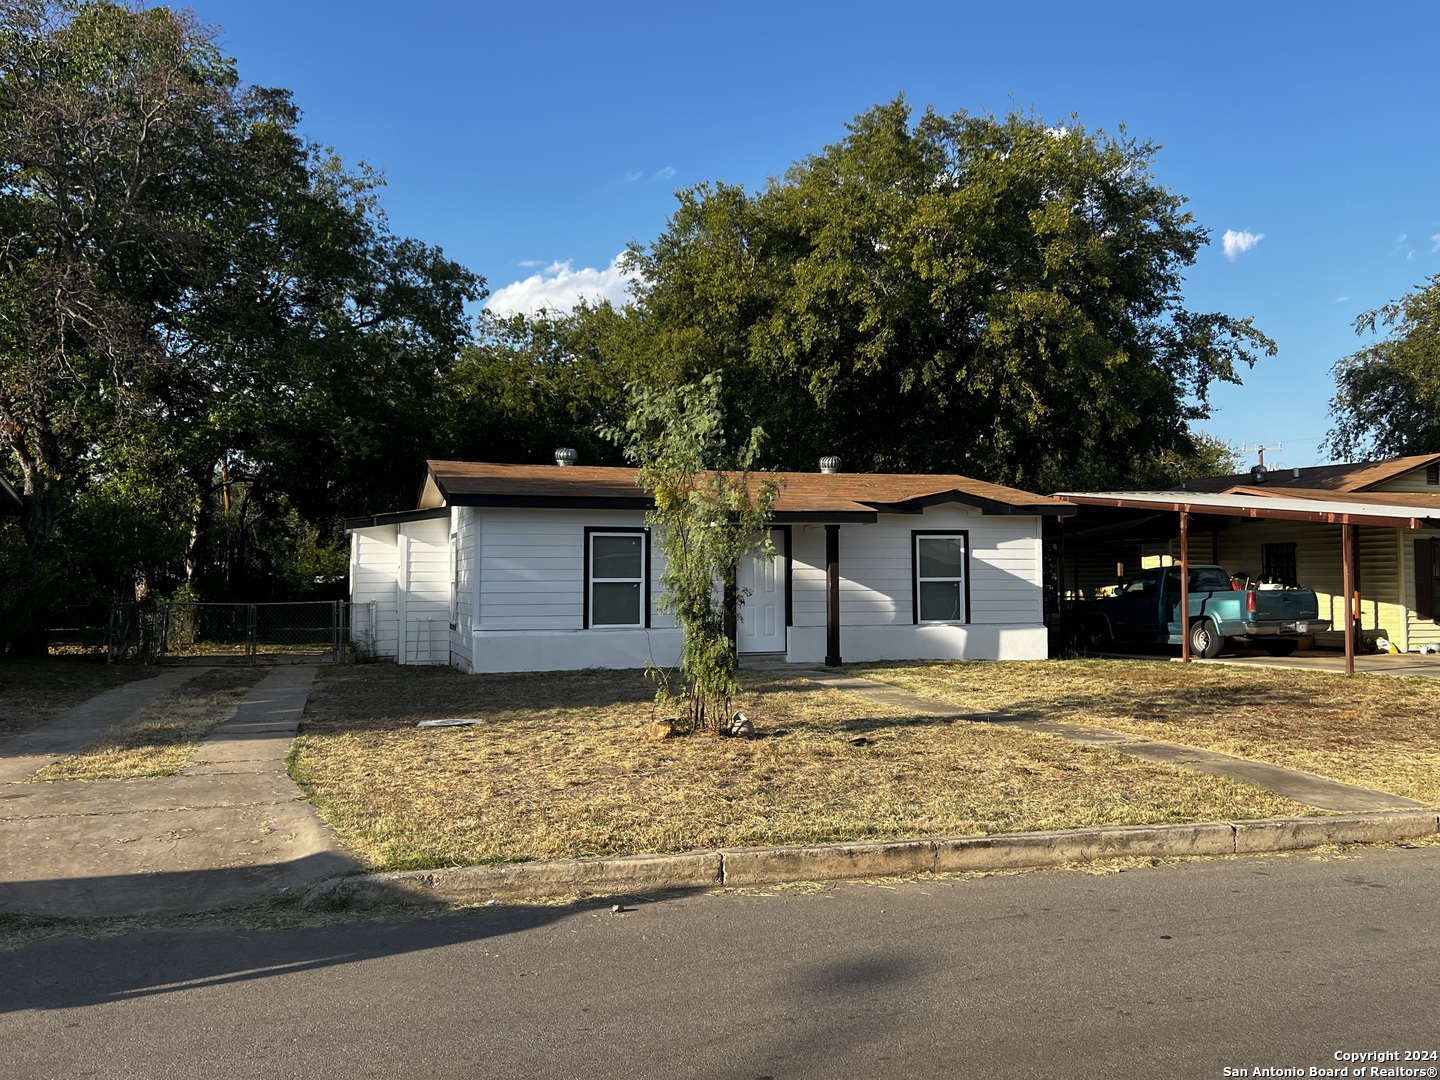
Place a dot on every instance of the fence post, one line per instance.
(250, 649)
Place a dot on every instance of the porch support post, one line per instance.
(832, 595)
(1356, 611)
(1183, 615)
(1347, 622)
(1060, 607)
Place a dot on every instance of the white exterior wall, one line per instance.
(464, 549)
(520, 591)
(876, 602)
(374, 573)
(531, 596)
(424, 591)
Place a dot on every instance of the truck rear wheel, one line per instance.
(1097, 635)
(1205, 640)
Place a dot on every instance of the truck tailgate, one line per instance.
(1272, 605)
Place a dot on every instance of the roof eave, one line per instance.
(375, 521)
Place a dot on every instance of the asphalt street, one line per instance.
(1166, 971)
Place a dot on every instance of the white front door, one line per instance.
(762, 615)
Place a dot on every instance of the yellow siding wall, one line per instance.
(1318, 566)
(1414, 480)
(1419, 631)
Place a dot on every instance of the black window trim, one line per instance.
(591, 530)
(915, 535)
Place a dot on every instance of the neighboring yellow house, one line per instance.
(1286, 524)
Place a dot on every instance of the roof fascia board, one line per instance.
(555, 502)
(1425, 463)
(919, 504)
(834, 517)
(1262, 513)
(376, 521)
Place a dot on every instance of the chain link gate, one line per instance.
(303, 632)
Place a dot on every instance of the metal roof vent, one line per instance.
(830, 464)
(566, 456)
(1258, 474)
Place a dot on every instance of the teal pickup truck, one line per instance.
(1145, 613)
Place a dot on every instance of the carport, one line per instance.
(1139, 510)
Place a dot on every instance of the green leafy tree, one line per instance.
(710, 512)
(529, 384)
(193, 298)
(1387, 395)
(999, 297)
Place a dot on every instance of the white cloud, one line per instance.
(559, 288)
(1435, 242)
(1237, 243)
(1341, 299)
(663, 174)
(631, 177)
(530, 264)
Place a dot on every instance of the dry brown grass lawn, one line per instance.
(158, 739)
(561, 768)
(1377, 731)
(36, 691)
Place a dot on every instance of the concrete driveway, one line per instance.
(1412, 664)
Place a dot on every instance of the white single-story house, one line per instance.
(548, 567)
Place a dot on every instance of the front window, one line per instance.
(940, 578)
(617, 578)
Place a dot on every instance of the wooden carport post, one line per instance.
(1347, 562)
(1184, 613)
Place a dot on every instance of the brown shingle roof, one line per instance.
(1352, 476)
(810, 495)
(1358, 498)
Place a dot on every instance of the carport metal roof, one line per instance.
(1384, 509)
(1356, 509)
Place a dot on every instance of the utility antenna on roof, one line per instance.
(1261, 450)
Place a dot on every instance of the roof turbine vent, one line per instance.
(566, 456)
(830, 464)
(1258, 474)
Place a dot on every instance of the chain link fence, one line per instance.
(305, 632)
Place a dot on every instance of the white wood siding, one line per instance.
(876, 582)
(463, 525)
(374, 573)
(532, 567)
(425, 591)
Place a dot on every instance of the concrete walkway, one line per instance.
(1303, 787)
(27, 753)
(230, 828)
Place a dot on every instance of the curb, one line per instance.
(629, 875)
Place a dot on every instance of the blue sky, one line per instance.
(533, 142)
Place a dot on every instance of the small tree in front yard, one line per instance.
(710, 512)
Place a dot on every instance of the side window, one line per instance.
(1277, 564)
(940, 562)
(615, 587)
